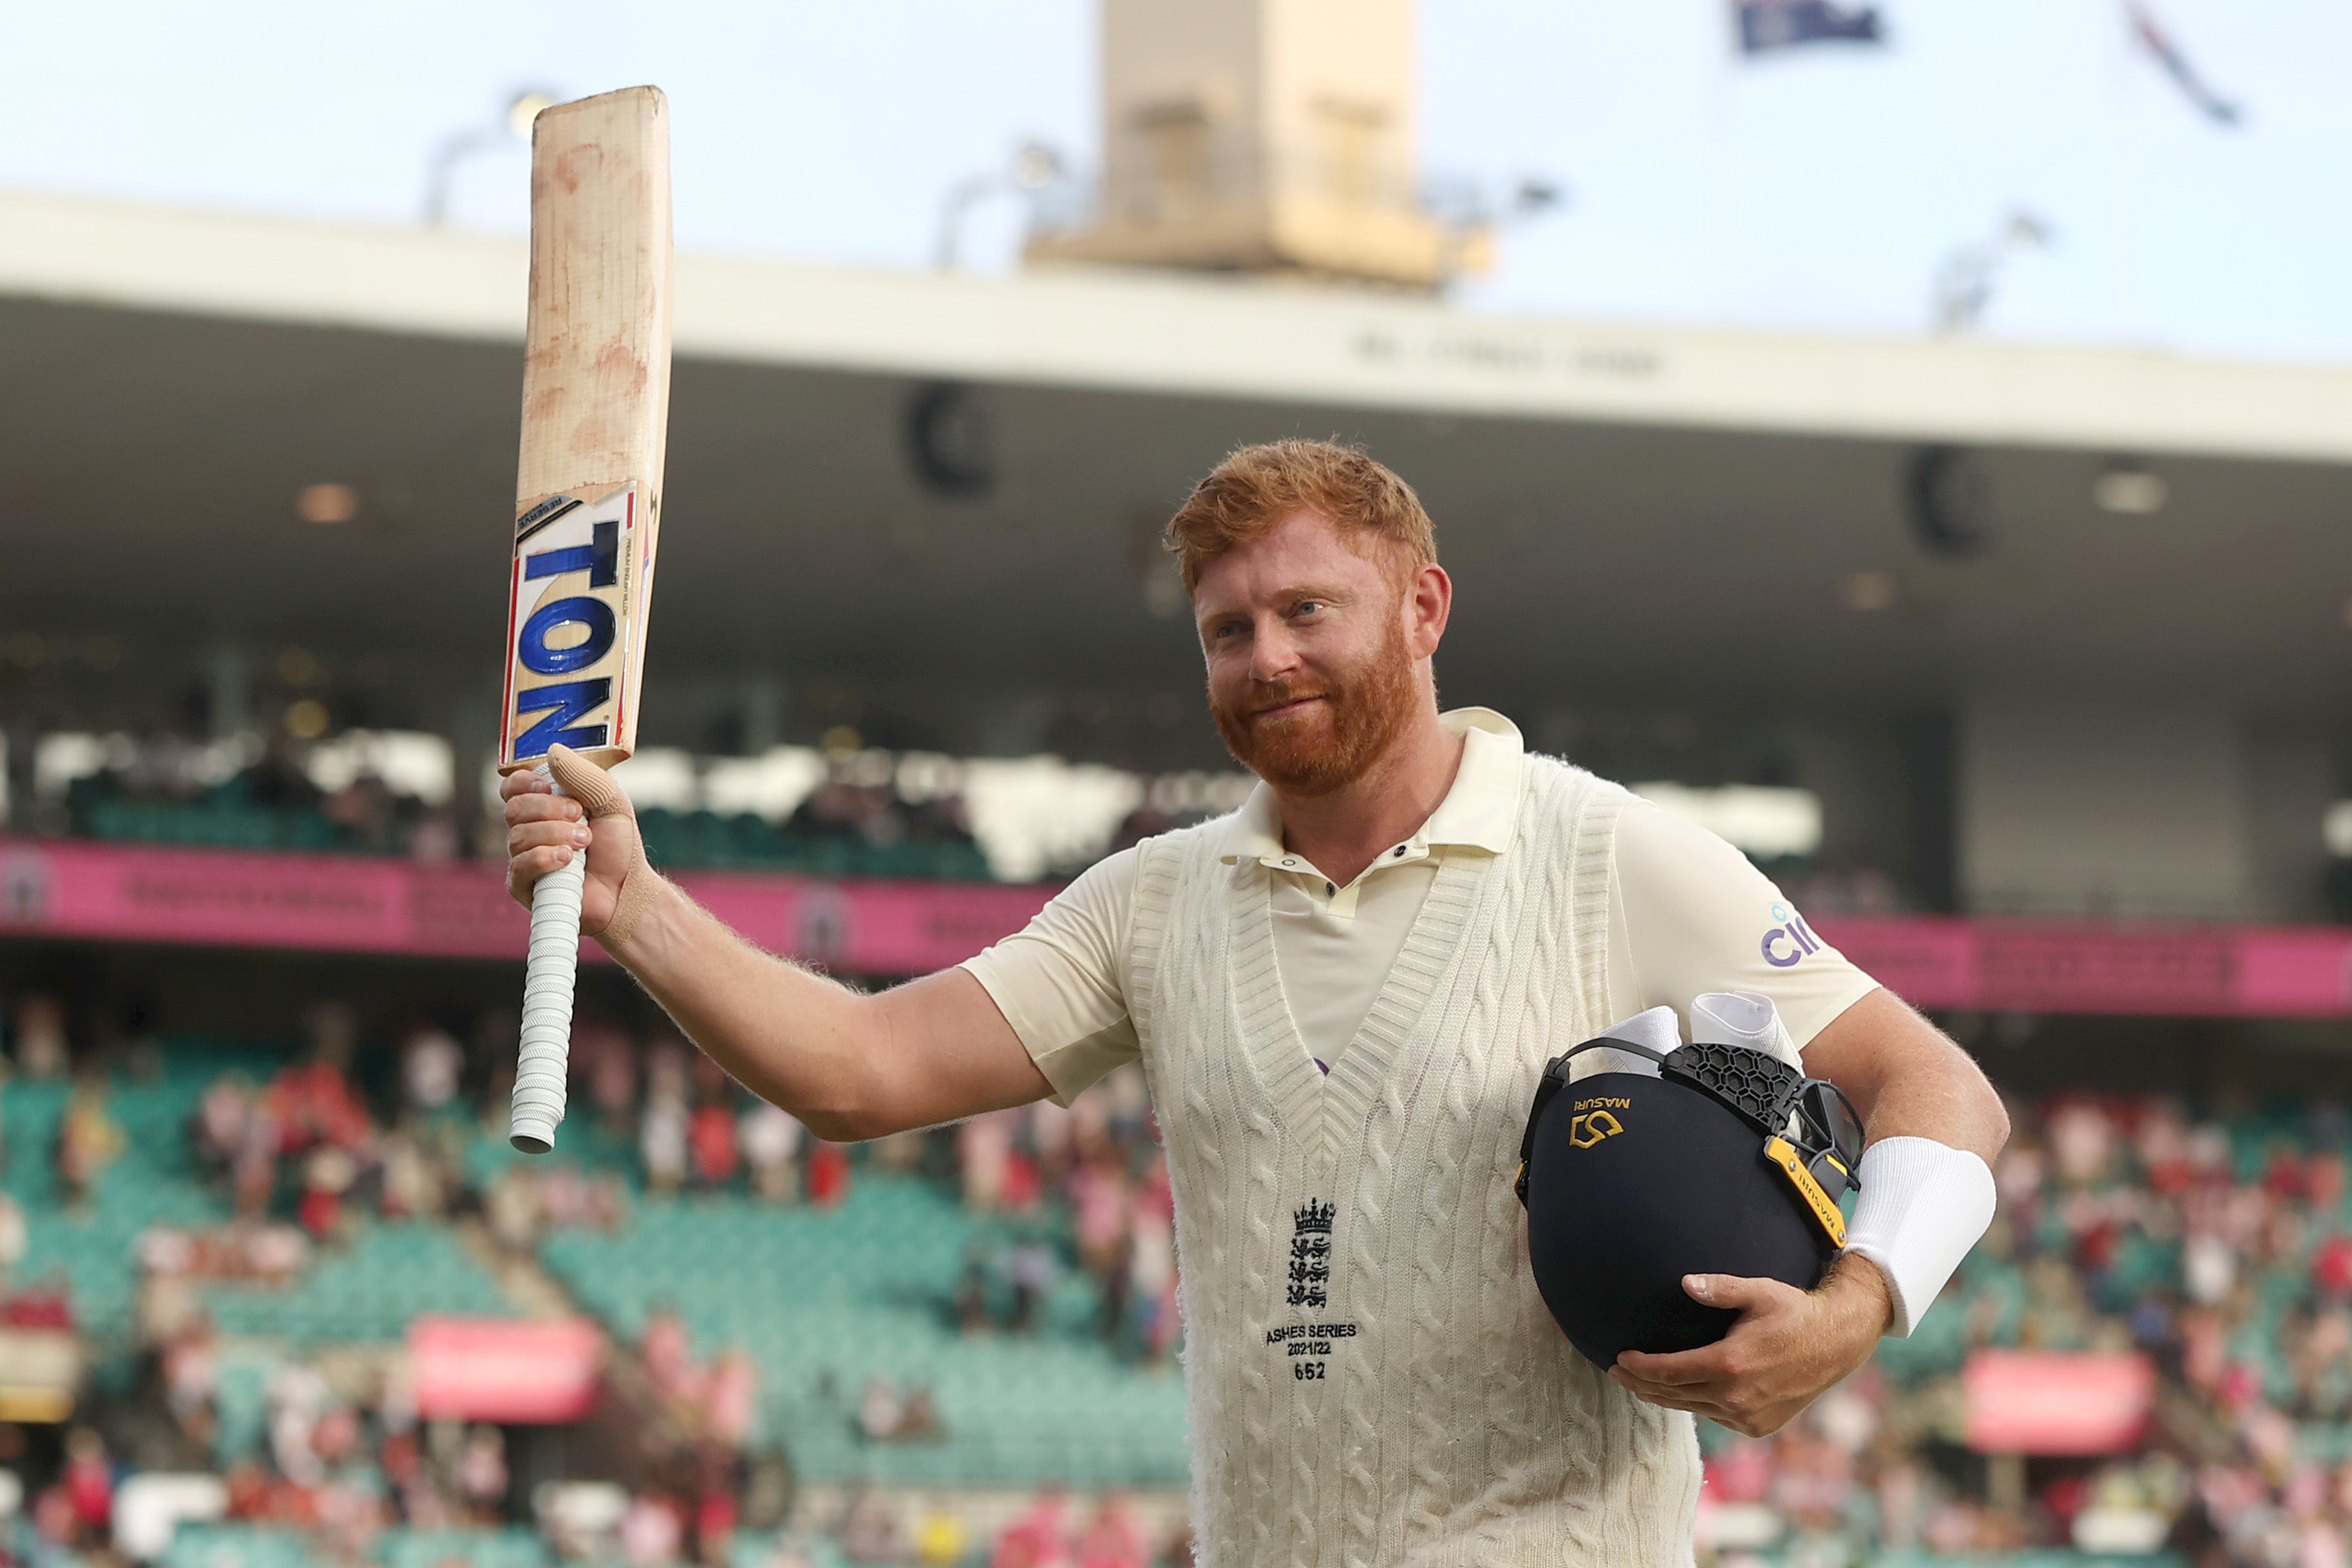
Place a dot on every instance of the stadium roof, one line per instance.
(1199, 337)
(1634, 513)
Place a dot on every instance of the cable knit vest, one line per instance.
(1373, 1378)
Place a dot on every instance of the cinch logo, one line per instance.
(1787, 943)
(1592, 1127)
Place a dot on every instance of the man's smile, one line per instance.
(1291, 709)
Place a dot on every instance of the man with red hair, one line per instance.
(1343, 994)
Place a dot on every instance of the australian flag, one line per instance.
(1768, 25)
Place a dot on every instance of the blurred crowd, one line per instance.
(860, 819)
(2218, 1247)
(2221, 1250)
(1097, 1171)
(1048, 1530)
(169, 789)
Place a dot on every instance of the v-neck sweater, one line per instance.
(1689, 914)
(1371, 1373)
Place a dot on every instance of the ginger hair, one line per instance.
(1256, 487)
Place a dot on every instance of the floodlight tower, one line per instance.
(1265, 136)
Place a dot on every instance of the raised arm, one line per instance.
(849, 1065)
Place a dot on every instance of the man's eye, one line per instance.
(1308, 606)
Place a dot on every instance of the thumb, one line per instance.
(1733, 1291)
(586, 783)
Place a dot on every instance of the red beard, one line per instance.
(1328, 744)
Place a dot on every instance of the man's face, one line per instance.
(1311, 652)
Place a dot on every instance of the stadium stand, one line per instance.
(831, 1304)
(981, 1310)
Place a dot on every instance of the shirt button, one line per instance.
(1400, 849)
(1329, 889)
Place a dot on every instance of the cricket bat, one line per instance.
(595, 413)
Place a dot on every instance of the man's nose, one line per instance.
(1272, 654)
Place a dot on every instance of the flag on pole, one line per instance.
(1768, 25)
(2158, 42)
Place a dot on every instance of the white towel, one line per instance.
(1655, 1028)
(1742, 1018)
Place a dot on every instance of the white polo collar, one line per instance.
(1479, 812)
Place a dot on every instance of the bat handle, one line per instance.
(543, 1063)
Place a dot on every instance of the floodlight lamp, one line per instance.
(1036, 165)
(524, 108)
(326, 503)
(2131, 490)
(2028, 229)
(1537, 195)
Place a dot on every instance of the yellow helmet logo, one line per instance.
(1592, 1127)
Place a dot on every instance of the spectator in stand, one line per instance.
(1051, 1136)
(609, 1060)
(918, 1418)
(510, 1209)
(89, 1485)
(984, 1145)
(88, 1140)
(297, 1395)
(191, 1371)
(255, 1169)
(1039, 1538)
(870, 1531)
(941, 1540)
(730, 1401)
(430, 1064)
(221, 1116)
(879, 1409)
(13, 1237)
(662, 1138)
(314, 1103)
(1113, 1538)
(828, 1174)
(715, 1517)
(710, 1134)
(971, 1291)
(770, 1136)
(669, 1362)
(414, 1186)
(40, 1038)
(1098, 1209)
(435, 837)
(363, 812)
(1032, 1267)
(480, 1474)
(327, 1173)
(651, 1532)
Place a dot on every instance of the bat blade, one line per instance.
(595, 415)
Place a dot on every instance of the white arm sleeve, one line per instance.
(1923, 1205)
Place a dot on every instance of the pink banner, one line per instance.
(2050, 1402)
(534, 1371)
(2094, 966)
(136, 892)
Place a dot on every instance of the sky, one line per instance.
(1814, 191)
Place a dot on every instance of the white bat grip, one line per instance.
(543, 1065)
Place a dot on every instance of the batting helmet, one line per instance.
(1727, 1161)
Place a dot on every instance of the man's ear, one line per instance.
(1428, 603)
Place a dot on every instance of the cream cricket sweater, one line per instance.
(1373, 1378)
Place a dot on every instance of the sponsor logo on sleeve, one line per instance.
(1788, 940)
